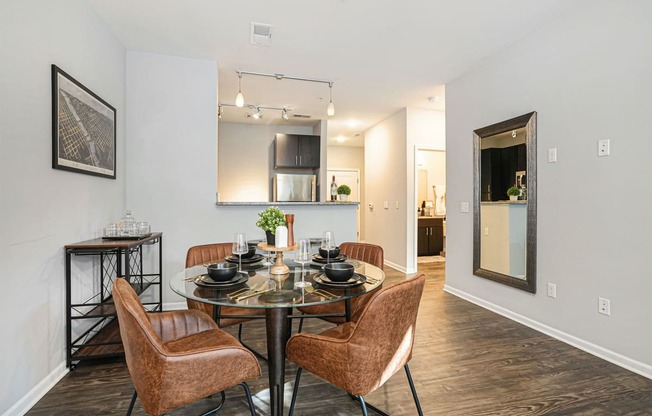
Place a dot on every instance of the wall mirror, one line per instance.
(504, 227)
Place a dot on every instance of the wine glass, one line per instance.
(328, 243)
(302, 256)
(240, 247)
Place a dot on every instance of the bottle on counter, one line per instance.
(333, 190)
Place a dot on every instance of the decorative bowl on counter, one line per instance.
(221, 272)
(339, 272)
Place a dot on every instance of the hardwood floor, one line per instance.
(466, 361)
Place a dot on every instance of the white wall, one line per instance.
(42, 209)
(385, 178)
(172, 148)
(349, 157)
(588, 77)
(250, 180)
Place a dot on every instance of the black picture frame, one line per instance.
(83, 128)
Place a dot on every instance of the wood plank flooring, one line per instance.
(466, 361)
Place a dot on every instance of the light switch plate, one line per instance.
(464, 207)
(386, 205)
(552, 155)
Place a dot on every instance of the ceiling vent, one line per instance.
(301, 116)
(261, 34)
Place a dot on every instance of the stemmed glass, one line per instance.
(328, 243)
(240, 247)
(302, 257)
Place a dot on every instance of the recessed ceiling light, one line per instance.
(340, 139)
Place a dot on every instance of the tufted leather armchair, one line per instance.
(176, 358)
(369, 253)
(361, 356)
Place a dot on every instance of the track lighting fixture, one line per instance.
(284, 114)
(239, 99)
(257, 113)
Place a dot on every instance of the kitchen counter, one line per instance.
(266, 204)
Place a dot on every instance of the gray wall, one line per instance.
(42, 209)
(588, 77)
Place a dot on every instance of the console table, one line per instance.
(92, 331)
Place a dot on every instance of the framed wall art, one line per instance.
(83, 128)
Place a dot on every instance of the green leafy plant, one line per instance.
(513, 191)
(270, 218)
(343, 190)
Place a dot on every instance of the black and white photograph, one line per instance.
(83, 128)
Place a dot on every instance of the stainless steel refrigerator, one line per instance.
(290, 187)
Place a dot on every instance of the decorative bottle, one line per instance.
(333, 190)
(289, 222)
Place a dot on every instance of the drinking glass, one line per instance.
(302, 257)
(240, 247)
(328, 243)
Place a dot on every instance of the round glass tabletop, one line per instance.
(258, 288)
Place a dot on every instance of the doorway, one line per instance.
(350, 177)
(430, 175)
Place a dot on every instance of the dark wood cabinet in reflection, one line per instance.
(498, 170)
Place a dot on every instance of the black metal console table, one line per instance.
(92, 322)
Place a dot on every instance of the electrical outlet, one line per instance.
(552, 155)
(603, 147)
(604, 306)
(552, 290)
(464, 207)
(396, 204)
(386, 204)
(486, 230)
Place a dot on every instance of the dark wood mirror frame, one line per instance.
(529, 121)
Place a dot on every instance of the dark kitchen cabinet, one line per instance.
(430, 236)
(296, 151)
(498, 167)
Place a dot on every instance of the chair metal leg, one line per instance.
(295, 390)
(300, 325)
(219, 406)
(133, 401)
(249, 399)
(414, 391)
(363, 405)
(256, 353)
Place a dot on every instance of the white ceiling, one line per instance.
(381, 55)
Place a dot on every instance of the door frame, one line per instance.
(357, 171)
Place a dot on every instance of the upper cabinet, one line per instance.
(296, 151)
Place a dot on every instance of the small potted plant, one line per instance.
(513, 193)
(343, 191)
(270, 218)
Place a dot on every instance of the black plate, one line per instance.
(319, 259)
(253, 259)
(356, 280)
(203, 280)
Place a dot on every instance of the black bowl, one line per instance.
(222, 272)
(339, 272)
(249, 254)
(332, 253)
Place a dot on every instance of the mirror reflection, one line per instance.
(505, 202)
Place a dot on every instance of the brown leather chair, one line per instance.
(369, 253)
(211, 253)
(361, 356)
(176, 358)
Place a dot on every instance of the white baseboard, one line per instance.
(613, 357)
(399, 268)
(23, 405)
(175, 306)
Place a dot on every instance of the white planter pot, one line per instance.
(344, 197)
(513, 197)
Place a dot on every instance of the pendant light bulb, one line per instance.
(331, 107)
(239, 99)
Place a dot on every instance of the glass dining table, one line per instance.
(277, 295)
